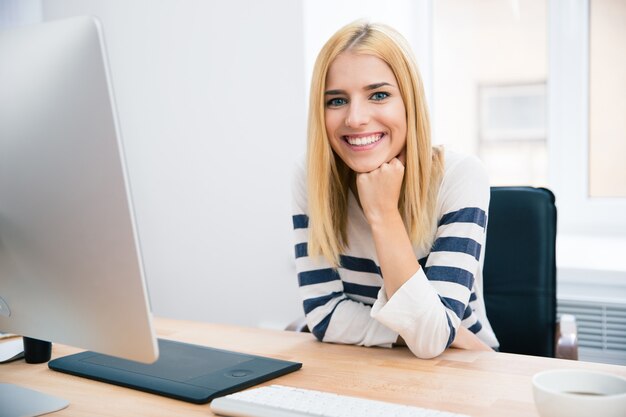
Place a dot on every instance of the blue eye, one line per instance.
(379, 96)
(336, 102)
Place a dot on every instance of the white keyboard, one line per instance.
(281, 401)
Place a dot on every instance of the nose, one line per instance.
(358, 115)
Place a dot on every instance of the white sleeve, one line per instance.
(330, 314)
(428, 309)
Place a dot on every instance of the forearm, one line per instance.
(379, 193)
(331, 315)
(415, 312)
(464, 340)
(351, 323)
(395, 252)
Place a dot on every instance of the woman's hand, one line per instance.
(467, 340)
(379, 190)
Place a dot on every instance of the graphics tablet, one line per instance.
(183, 371)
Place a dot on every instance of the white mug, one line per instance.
(577, 393)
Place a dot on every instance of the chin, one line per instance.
(364, 167)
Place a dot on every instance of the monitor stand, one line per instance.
(20, 401)
(36, 351)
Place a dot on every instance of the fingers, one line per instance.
(388, 171)
(402, 156)
(397, 162)
(379, 190)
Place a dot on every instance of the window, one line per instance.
(489, 85)
(607, 98)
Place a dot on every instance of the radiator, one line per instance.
(601, 329)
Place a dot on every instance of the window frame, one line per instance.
(568, 126)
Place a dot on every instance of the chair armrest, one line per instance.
(298, 325)
(566, 338)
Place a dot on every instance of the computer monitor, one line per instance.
(70, 262)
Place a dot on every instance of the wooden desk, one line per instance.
(474, 383)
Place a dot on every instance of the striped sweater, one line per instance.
(348, 304)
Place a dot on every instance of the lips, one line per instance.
(361, 140)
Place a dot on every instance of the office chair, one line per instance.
(519, 275)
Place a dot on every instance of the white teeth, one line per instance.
(362, 141)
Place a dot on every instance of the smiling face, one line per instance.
(364, 112)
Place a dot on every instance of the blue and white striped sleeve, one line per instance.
(330, 314)
(428, 309)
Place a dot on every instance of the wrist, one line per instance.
(391, 218)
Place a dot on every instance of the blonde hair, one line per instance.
(329, 177)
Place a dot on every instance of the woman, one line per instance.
(389, 230)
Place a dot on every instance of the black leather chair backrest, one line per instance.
(519, 276)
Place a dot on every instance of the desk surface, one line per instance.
(473, 383)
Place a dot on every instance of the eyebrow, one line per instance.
(367, 88)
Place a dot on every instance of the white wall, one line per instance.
(23, 12)
(212, 111)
